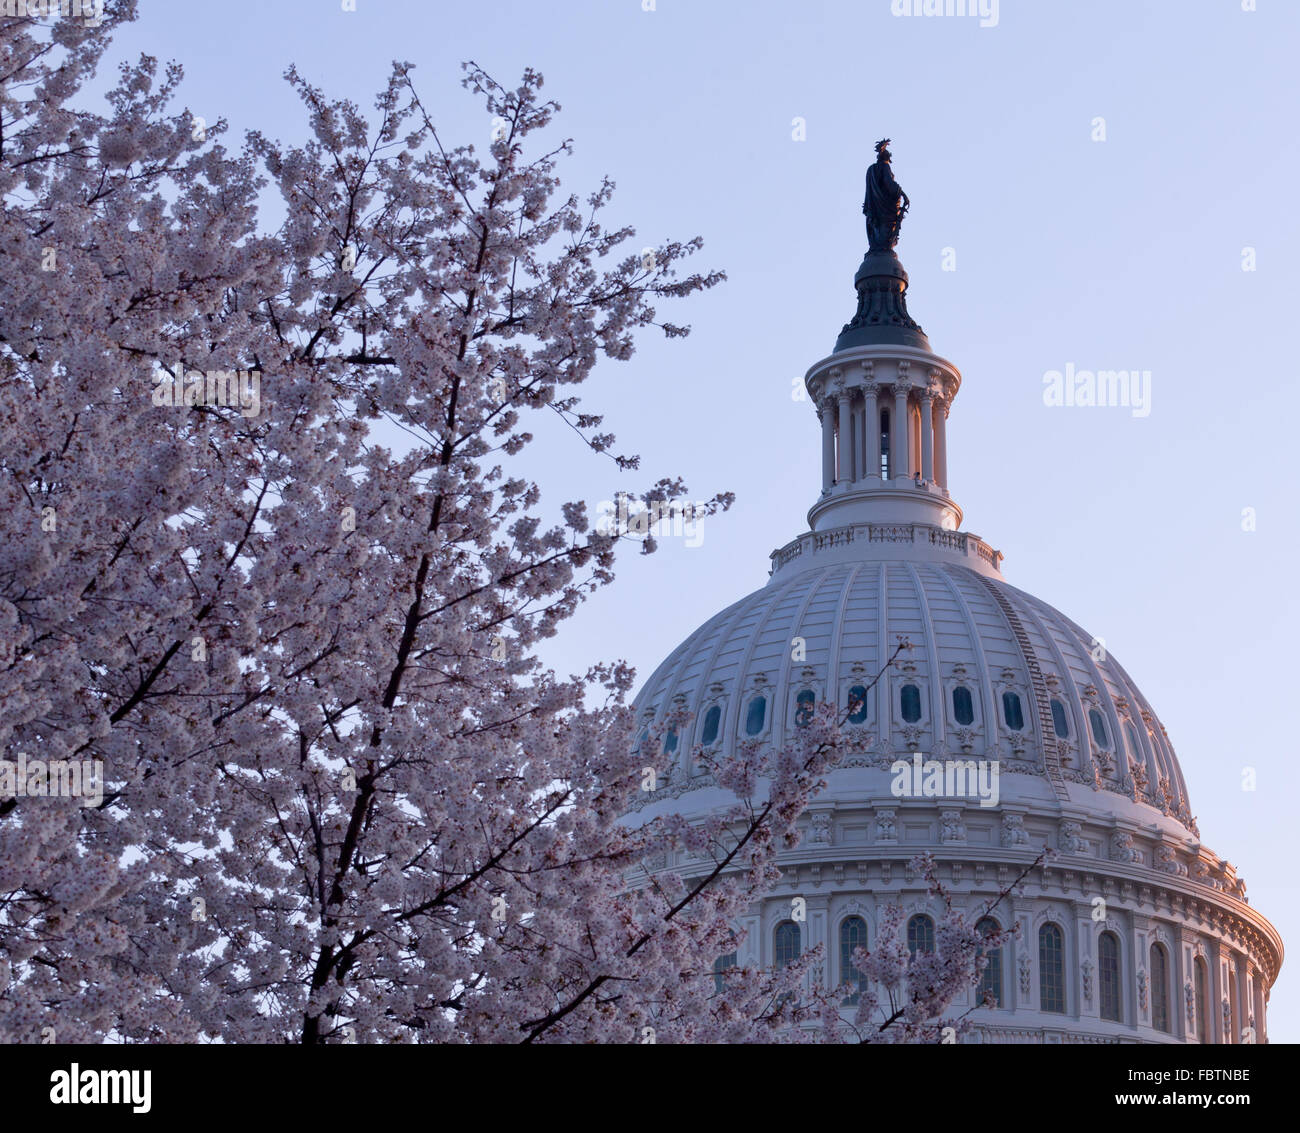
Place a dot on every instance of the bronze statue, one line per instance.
(885, 203)
(881, 282)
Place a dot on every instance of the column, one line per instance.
(855, 435)
(1137, 957)
(1261, 1011)
(1248, 1014)
(914, 436)
(898, 435)
(1017, 949)
(751, 952)
(1217, 971)
(846, 440)
(1085, 935)
(826, 412)
(815, 932)
(860, 443)
(941, 443)
(1230, 991)
(872, 461)
(1238, 1001)
(860, 439)
(1180, 971)
(927, 434)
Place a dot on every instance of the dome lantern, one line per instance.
(882, 398)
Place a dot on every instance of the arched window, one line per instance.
(1134, 747)
(920, 934)
(1108, 976)
(1098, 728)
(756, 716)
(853, 934)
(991, 977)
(857, 705)
(1012, 711)
(670, 741)
(963, 708)
(910, 698)
(712, 722)
(803, 708)
(1059, 721)
(1202, 1004)
(720, 966)
(1051, 968)
(786, 944)
(1159, 987)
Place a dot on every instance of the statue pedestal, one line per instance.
(880, 263)
(881, 317)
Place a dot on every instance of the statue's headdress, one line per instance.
(880, 145)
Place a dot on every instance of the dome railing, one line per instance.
(958, 541)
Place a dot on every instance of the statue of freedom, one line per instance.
(885, 202)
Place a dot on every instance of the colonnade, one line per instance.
(862, 438)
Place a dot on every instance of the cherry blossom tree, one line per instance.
(339, 799)
(274, 571)
(124, 238)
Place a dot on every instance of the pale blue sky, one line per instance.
(1123, 254)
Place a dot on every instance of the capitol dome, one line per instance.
(990, 671)
(1054, 744)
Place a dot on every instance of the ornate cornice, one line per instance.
(1129, 886)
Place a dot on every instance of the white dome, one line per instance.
(1135, 931)
(965, 630)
